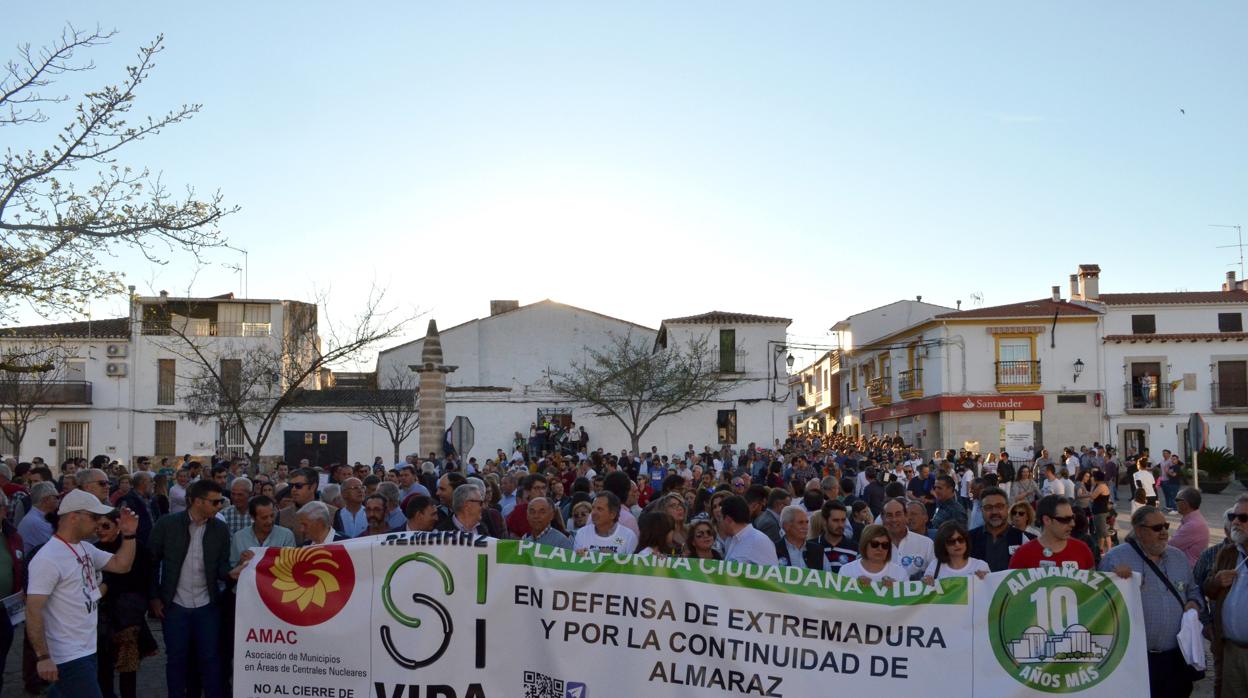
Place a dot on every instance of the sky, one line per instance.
(654, 159)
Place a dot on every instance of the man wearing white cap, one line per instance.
(63, 594)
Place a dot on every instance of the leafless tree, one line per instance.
(59, 223)
(637, 384)
(393, 407)
(31, 381)
(246, 383)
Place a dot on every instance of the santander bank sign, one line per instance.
(992, 402)
(956, 403)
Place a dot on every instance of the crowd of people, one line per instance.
(169, 543)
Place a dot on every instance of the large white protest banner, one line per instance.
(419, 615)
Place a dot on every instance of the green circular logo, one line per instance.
(1058, 630)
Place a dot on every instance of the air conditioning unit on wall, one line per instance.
(117, 351)
(115, 369)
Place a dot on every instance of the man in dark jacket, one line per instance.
(191, 557)
(995, 541)
(138, 500)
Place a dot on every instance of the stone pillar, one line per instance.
(431, 398)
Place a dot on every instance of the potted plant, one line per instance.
(1217, 467)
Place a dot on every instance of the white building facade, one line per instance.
(501, 362)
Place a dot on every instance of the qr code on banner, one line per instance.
(542, 686)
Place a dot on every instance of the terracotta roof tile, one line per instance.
(1174, 297)
(1044, 307)
(718, 317)
(1179, 337)
(113, 328)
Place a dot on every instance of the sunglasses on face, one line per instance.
(1158, 528)
(1064, 520)
(219, 501)
(703, 534)
(298, 485)
(957, 541)
(1242, 518)
(880, 544)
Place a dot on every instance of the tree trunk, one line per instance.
(397, 444)
(636, 441)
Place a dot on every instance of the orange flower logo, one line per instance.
(305, 586)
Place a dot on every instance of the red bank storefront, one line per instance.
(980, 423)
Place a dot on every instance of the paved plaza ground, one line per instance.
(152, 671)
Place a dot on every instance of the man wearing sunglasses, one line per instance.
(1227, 589)
(1054, 547)
(191, 558)
(1167, 590)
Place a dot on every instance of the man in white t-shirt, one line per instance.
(910, 550)
(605, 534)
(63, 594)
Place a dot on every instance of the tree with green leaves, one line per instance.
(638, 384)
(67, 206)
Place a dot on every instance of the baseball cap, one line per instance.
(78, 500)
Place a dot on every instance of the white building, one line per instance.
(123, 395)
(1168, 355)
(973, 378)
(501, 363)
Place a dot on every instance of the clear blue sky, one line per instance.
(649, 160)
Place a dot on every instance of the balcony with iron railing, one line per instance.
(1147, 398)
(1017, 375)
(1230, 398)
(880, 390)
(910, 384)
(207, 328)
(21, 392)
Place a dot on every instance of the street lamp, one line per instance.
(789, 361)
(1078, 369)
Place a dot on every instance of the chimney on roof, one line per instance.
(1230, 284)
(500, 307)
(1057, 294)
(164, 293)
(1089, 282)
(1074, 286)
(959, 305)
(918, 299)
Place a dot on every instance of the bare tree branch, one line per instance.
(637, 385)
(57, 226)
(248, 382)
(31, 382)
(393, 407)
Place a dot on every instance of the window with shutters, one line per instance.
(166, 437)
(1143, 324)
(727, 351)
(231, 379)
(1230, 322)
(165, 383)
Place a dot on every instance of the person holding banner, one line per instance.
(1167, 592)
(1055, 546)
(996, 541)
(467, 506)
(743, 542)
(911, 551)
(605, 534)
(876, 563)
(540, 515)
(952, 558)
(834, 546)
